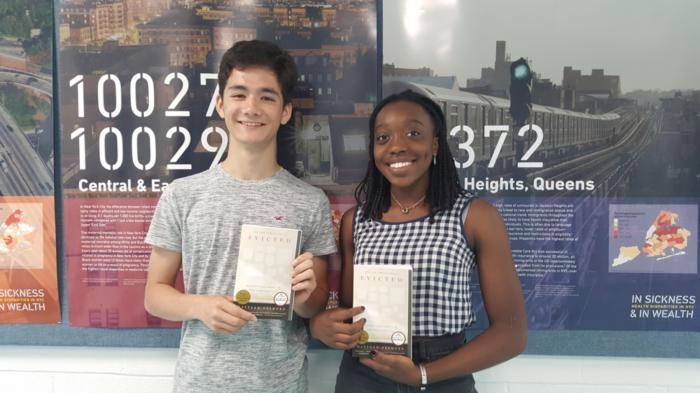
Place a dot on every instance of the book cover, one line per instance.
(264, 272)
(385, 292)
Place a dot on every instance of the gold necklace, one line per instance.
(407, 209)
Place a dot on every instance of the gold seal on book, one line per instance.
(364, 337)
(242, 297)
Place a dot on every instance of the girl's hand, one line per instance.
(395, 367)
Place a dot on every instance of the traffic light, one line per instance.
(520, 97)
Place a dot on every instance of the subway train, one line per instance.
(563, 132)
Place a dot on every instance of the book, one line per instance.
(264, 272)
(385, 292)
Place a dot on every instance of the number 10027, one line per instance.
(143, 139)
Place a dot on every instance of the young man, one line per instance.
(197, 226)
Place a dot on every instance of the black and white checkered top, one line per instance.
(441, 259)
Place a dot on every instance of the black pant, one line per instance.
(354, 377)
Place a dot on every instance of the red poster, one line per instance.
(28, 290)
(108, 260)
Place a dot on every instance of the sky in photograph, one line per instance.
(650, 44)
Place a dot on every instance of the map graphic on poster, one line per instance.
(653, 239)
(21, 236)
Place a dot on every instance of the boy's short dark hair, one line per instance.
(256, 53)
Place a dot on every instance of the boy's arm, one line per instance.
(163, 300)
(309, 277)
(309, 284)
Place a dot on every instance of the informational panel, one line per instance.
(28, 284)
(138, 87)
(580, 122)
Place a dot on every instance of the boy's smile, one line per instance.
(252, 107)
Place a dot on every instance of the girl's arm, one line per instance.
(506, 335)
(330, 326)
(347, 253)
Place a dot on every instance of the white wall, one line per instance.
(139, 370)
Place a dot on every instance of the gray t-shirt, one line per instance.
(201, 216)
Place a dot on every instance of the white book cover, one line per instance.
(385, 292)
(264, 271)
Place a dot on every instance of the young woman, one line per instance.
(411, 209)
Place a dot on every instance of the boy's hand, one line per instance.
(220, 314)
(330, 327)
(303, 277)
